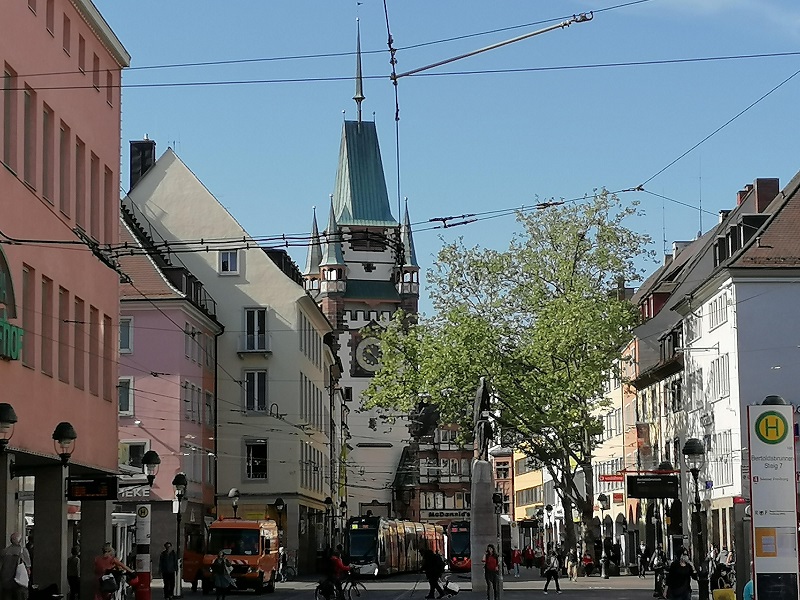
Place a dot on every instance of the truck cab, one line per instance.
(251, 547)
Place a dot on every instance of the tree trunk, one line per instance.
(587, 512)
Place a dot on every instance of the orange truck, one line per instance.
(251, 547)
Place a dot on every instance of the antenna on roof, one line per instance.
(700, 205)
(359, 95)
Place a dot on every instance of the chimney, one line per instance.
(766, 190)
(677, 248)
(143, 156)
(742, 194)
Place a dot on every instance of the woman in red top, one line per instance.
(491, 567)
(104, 564)
(516, 560)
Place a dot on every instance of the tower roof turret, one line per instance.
(407, 239)
(314, 256)
(332, 252)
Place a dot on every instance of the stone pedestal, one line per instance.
(483, 523)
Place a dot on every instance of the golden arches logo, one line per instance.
(772, 427)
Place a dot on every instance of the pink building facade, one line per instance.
(59, 200)
(167, 387)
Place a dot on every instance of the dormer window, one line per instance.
(229, 262)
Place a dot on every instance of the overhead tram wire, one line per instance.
(236, 61)
(333, 79)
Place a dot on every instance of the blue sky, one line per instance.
(469, 142)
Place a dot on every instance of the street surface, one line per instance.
(411, 587)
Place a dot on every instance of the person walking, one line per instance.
(168, 568)
(658, 563)
(74, 573)
(552, 567)
(679, 578)
(433, 567)
(516, 560)
(642, 559)
(527, 556)
(491, 571)
(221, 570)
(13, 555)
(572, 564)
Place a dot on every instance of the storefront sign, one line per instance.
(92, 488)
(444, 514)
(612, 478)
(136, 492)
(10, 335)
(773, 496)
(619, 498)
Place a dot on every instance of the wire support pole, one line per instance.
(581, 18)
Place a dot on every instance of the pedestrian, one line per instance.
(748, 592)
(538, 556)
(658, 563)
(516, 560)
(168, 567)
(572, 564)
(433, 567)
(74, 573)
(221, 570)
(106, 564)
(642, 559)
(491, 570)
(679, 578)
(527, 556)
(551, 571)
(13, 555)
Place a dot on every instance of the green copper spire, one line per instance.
(359, 97)
(332, 254)
(314, 250)
(407, 239)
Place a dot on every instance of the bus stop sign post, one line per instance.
(143, 518)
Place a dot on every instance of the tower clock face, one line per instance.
(368, 354)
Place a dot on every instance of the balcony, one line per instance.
(254, 344)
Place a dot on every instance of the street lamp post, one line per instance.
(328, 516)
(179, 483)
(233, 494)
(549, 536)
(343, 511)
(602, 500)
(279, 506)
(664, 467)
(694, 453)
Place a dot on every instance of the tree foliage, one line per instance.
(543, 321)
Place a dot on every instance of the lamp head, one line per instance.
(279, 505)
(179, 482)
(233, 494)
(150, 462)
(694, 452)
(8, 419)
(64, 437)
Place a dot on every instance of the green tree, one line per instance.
(544, 321)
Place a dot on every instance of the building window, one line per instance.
(9, 118)
(81, 54)
(125, 395)
(110, 88)
(94, 196)
(256, 457)
(65, 39)
(131, 453)
(64, 146)
(255, 391)
(28, 316)
(29, 136)
(229, 262)
(80, 183)
(48, 154)
(209, 408)
(256, 329)
(78, 319)
(109, 202)
(348, 394)
(126, 335)
(94, 351)
(96, 72)
(50, 16)
(63, 334)
(47, 326)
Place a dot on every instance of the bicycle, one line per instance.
(288, 574)
(353, 589)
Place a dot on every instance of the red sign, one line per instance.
(612, 478)
(619, 497)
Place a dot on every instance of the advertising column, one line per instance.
(773, 497)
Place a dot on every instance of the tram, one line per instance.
(380, 546)
(459, 546)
